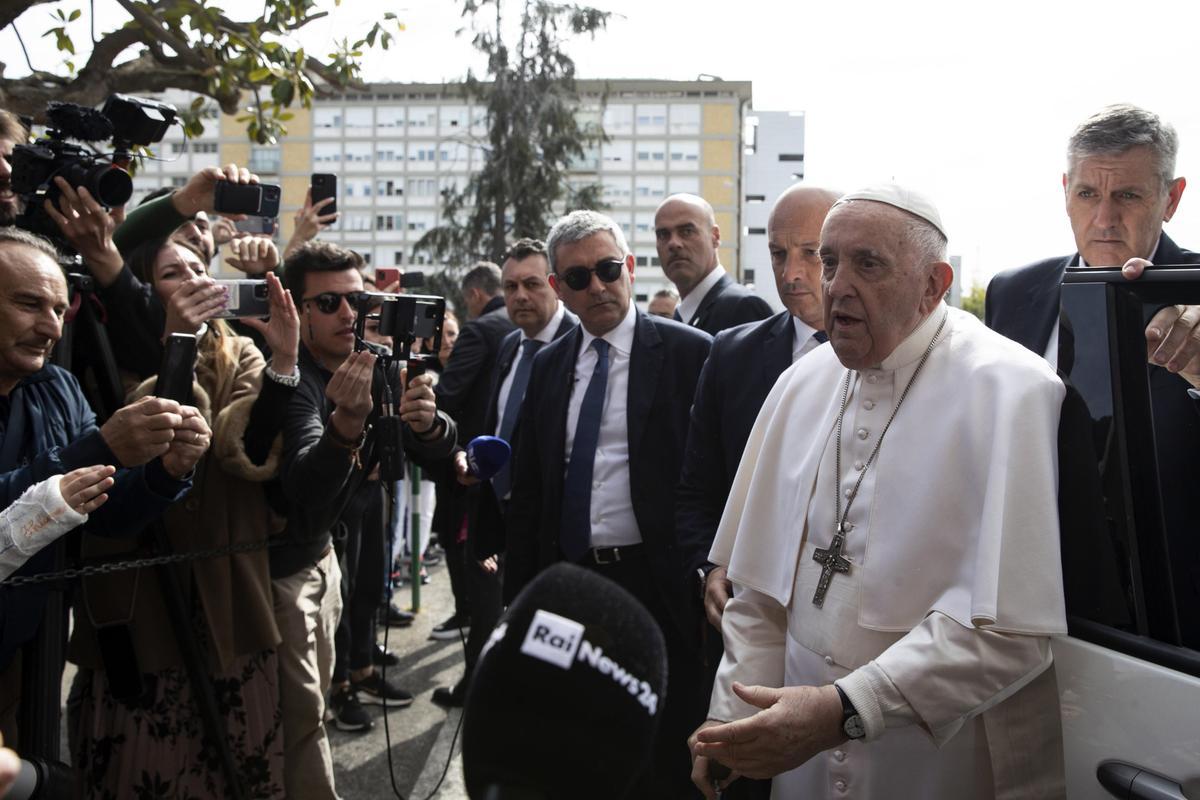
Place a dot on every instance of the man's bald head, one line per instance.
(794, 239)
(687, 238)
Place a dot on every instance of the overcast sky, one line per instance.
(970, 102)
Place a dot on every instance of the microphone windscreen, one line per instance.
(566, 696)
(486, 455)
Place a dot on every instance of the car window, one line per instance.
(1129, 457)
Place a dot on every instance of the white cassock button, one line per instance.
(858, 465)
(872, 378)
(840, 786)
(862, 433)
(840, 755)
(595, 484)
(829, 661)
(868, 404)
(846, 492)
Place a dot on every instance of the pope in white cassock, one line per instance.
(892, 538)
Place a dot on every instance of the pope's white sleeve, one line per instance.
(941, 674)
(34, 520)
(754, 628)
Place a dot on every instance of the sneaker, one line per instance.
(384, 658)
(451, 628)
(395, 617)
(375, 690)
(348, 713)
(431, 559)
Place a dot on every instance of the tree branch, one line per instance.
(153, 27)
(11, 9)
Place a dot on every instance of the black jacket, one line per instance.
(726, 305)
(741, 369)
(462, 391)
(319, 476)
(664, 367)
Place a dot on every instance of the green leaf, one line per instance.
(259, 75)
(76, 14)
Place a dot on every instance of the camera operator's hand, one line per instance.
(252, 254)
(418, 406)
(224, 230)
(142, 430)
(197, 193)
(309, 221)
(84, 489)
(462, 470)
(193, 303)
(88, 226)
(350, 390)
(281, 329)
(191, 441)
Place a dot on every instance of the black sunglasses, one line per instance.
(330, 302)
(578, 278)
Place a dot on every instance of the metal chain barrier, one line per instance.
(149, 561)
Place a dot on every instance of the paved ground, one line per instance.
(420, 734)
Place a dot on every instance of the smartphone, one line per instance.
(257, 225)
(324, 185)
(260, 199)
(178, 366)
(245, 297)
(412, 280)
(386, 276)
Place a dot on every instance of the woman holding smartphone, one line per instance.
(137, 733)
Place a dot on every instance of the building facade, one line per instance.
(395, 147)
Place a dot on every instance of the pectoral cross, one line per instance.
(831, 561)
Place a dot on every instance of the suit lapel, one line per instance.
(1042, 298)
(509, 347)
(645, 364)
(778, 347)
(709, 300)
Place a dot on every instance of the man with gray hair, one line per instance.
(610, 400)
(663, 303)
(1120, 188)
(894, 556)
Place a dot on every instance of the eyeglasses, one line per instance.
(578, 278)
(330, 302)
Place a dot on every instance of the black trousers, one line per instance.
(363, 560)
(686, 702)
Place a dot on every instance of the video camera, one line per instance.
(126, 120)
(405, 318)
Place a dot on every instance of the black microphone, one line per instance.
(567, 694)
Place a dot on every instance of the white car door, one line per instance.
(1129, 673)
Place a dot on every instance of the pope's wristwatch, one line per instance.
(851, 722)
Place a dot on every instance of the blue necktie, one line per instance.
(575, 537)
(502, 480)
(821, 337)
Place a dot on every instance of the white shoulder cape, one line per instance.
(964, 518)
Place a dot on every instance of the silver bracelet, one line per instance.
(291, 381)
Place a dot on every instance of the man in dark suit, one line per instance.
(540, 318)
(1120, 188)
(462, 392)
(610, 401)
(688, 241)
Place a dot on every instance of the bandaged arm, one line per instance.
(35, 519)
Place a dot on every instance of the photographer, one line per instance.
(48, 429)
(231, 608)
(330, 448)
(12, 132)
(135, 314)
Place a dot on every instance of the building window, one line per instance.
(756, 198)
(685, 119)
(651, 119)
(204, 147)
(264, 159)
(618, 119)
(748, 275)
(642, 261)
(791, 156)
(756, 231)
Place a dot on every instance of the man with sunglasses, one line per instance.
(689, 241)
(609, 402)
(329, 450)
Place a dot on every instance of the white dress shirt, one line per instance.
(688, 306)
(803, 340)
(613, 522)
(545, 336)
